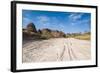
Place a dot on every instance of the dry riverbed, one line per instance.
(56, 49)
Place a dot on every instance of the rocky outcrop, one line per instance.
(57, 34)
(52, 33)
(31, 27)
(31, 33)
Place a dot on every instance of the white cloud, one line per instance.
(75, 19)
(72, 24)
(81, 22)
(61, 25)
(26, 19)
(75, 16)
(47, 21)
(43, 19)
(85, 21)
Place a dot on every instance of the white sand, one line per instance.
(57, 49)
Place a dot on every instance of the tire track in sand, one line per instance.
(71, 53)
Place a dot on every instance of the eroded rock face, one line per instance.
(46, 31)
(57, 34)
(31, 27)
(31, 33)
(52, 33)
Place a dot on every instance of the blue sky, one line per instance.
(68, 22)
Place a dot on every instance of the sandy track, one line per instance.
(57, 49)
